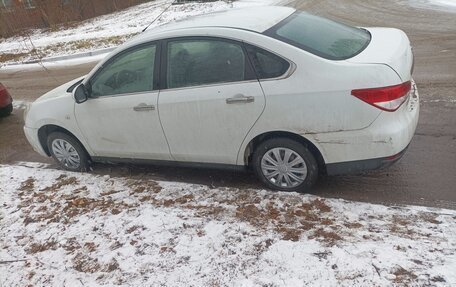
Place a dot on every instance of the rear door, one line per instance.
(210, 100)
(121, 118)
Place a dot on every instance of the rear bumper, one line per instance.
(377, 146)
(360, 166)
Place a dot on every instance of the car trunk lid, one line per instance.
(389, 47)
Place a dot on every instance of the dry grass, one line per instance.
(62, 207)
(28, 185)
(86, 264)
(134, 228)
(61, 181)
(327, 237)
(429, 217)
(404, 276)
(141, 186)
(288, 220)
(40, 247)
(6, 57)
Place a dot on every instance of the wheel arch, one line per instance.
(253, 144)
(46, 130)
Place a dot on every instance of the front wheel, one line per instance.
(285, 164)
(67, 152)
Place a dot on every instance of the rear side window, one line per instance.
(197, 62)
(266, 64)
(321, 36)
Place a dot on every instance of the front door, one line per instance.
(121, 118)
(211, 99)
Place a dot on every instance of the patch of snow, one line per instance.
(451, 3)
(19, 104)
(77, 229)
(447, 5)
(444, 100)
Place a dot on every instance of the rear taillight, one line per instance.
(388, 98)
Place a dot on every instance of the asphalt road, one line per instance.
(426, 175)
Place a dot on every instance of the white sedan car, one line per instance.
(285, 93)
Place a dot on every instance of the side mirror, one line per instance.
(81, 94)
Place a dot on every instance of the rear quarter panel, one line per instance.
(316, 98)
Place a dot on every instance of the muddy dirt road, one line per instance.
(425, 176)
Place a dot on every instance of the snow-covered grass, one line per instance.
(106, 31)
(69, 229)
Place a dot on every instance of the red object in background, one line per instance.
(6, 102)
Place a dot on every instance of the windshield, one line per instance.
(321, 36)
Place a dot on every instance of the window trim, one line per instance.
(156, 75)
(291, 68)
(250, 74)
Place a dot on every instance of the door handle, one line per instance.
(143, 107)
(240, 99)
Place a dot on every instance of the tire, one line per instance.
(301, 165)
(74, 159)
(6, 111)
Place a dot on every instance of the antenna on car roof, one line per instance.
(158, 17)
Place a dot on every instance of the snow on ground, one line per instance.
(444, 2)
(109, 30)
(52, 64)
(69, 229)
(448, 5)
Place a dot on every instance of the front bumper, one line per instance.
(32, 137)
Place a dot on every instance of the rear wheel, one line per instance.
(67, 152)
(284, 164)
(6, 111)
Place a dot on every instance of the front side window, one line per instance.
(201, 62)
(266, 64)
(321, 36)
(130, 72)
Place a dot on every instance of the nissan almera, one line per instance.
(282, 92)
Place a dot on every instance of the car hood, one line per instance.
(60, 91)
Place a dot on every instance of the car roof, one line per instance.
(257, 19)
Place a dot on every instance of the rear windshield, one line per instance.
(321, 36)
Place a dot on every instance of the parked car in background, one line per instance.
(285, 93)
(6, 101)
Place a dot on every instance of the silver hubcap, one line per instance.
(283, 167)
(66, 153)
